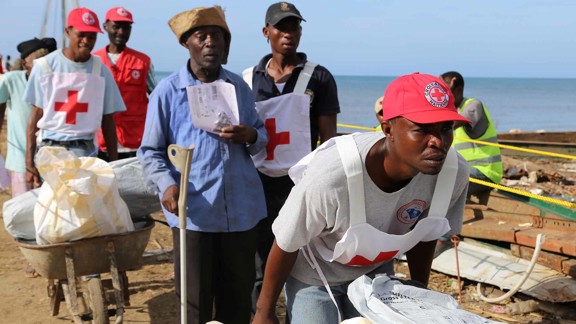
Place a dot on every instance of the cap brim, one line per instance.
(276, 19)
(436, 117)
(121, 19)
(87, 29)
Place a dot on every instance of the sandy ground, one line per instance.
(152, 298)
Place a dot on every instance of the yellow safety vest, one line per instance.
(485, 158)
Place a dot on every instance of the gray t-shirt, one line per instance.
(318, 206)
(474, 111)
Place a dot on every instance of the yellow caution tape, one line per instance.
(525, 193)
(356, 127)
(565, 156)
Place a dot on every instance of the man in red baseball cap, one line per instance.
(72, 96)
(134, 74)
(366, 200)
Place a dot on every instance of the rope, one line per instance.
(455, 239)
(539, 242)
(525, 193)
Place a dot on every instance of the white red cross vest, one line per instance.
(287, 122)
(73, 102)
(363, 244)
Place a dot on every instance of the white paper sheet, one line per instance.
(213, 106)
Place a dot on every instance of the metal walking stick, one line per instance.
(181, 158)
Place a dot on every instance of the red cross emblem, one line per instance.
(359, 260)
(436, 95)
(274, 139)
(71, 107)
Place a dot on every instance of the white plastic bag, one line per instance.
(384, 300)
(78, 199)
(18, 214)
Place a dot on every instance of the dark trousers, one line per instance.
(276, 191)
(220, 275)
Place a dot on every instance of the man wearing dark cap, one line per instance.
(298, 101)
(367, 199)
(72, 96)
(134, 75)
(225, 200)
(12, 97)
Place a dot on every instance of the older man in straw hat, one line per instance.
(225, 199)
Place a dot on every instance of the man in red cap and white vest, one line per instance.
(72, 95)
(366, 199)
(134, 74)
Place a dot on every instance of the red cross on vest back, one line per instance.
(71, 107)
(437, 94)
(274, 139)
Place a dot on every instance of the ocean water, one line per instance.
(514, 103)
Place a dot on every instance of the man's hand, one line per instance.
(240, 134)
(170, 199)
(33, 177)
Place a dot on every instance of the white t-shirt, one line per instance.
(318, 206)
(34, 93)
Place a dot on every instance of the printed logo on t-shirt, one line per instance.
(410, 212)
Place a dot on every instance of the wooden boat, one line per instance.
(512, 220)
(553, 142)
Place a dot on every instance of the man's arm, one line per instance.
(278, 268)
(326, 127)
(420, 259)
(150, 79)
(32, 175)
(109, 133)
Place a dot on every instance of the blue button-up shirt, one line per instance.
(224, 191)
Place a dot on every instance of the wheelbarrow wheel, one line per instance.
(96, 301)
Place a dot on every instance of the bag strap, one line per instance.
(444, 186)
(353, 168)
(311, 259)
(247, 75)
(352, 163)
(304, 77)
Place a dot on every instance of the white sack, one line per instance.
(18, 212)
(384, 300)
(78, 199)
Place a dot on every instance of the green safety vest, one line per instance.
(485, 158)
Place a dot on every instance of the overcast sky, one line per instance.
(490, 38)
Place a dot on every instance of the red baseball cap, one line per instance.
(420, 98)
(119, 14)
(84, 20)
